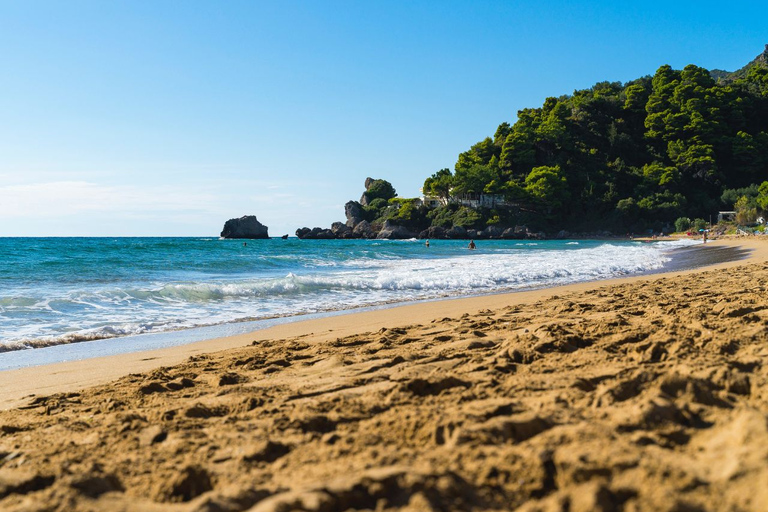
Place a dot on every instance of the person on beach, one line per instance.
(705, 236)
(471, 245)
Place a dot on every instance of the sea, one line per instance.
(69, 294)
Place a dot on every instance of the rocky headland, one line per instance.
(380, 214)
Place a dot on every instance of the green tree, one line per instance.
(636, 96)
(467, 218)
(439, 185)
(750, 155)
(694, 160)
(474, 179)
(479, 154)
(662, 206)
(380, 189)
(628, 208)
(746, 210)
(659, 105)
(699, 224)
(762, 197)
(682, 224)
(662, 176)
(518, 153)
(502, 132)
(547, 185)
(730, 195)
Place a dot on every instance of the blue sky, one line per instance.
(169, 117)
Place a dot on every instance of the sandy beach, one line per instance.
(646, 393)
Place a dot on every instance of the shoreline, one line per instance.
(20, 385)
(44, 352)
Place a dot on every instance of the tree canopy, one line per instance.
(627, 156)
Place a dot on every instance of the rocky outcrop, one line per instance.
(456, 232)
(364, 198)
(364, 230)
(377, 202)
(354, 213)
(511, 234)
(244, 227)
(435, 232)
(377, 189)
(391, 231)
(491, 232)
(315, 234)
(341, 230)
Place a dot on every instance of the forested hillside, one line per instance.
(682, 143)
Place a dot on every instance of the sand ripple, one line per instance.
(640, 396)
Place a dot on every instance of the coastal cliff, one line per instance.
(380, 214)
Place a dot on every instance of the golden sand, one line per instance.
(643, 394)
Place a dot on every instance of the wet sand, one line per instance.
(647, 393)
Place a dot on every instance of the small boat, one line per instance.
(284, 237)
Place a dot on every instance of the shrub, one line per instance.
(378, 204)
(682, 224)
(699, 224)
(380, 189)
(746, 210)
(467, 218)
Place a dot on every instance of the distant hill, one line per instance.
(618, 156)
(729, 76)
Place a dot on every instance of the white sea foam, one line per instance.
(316, 284)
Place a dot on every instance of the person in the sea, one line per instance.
(427, 242)
(471, 245)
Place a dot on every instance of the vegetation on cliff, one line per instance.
(652, 153)
(632, 156)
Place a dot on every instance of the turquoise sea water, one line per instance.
(63, 290)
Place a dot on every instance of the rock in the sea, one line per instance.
(244, 227)
(341, 230)
(354, 213)
(392, 231)
(512, 234)
(435, 232)
(364, 230)
(456, 232)
(322, 234)
(491, 232)
(315, 234)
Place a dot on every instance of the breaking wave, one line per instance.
(306, 283)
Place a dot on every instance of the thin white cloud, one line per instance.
(65, 198)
